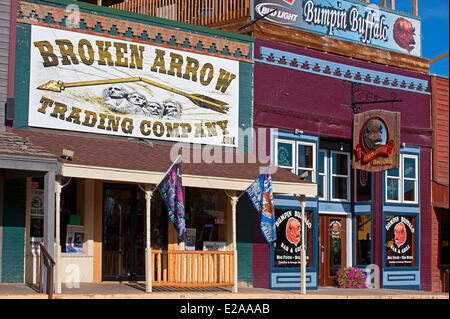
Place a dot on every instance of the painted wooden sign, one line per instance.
(359, 22)
(96, 84)
(376, 140)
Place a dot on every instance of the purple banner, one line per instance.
(172, 193)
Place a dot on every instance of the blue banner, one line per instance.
(348, 20)
(172, 193)
(260, 193)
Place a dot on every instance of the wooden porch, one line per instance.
(198, 12)
(181, 268)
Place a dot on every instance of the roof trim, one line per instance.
(215, 182)
(143, 17)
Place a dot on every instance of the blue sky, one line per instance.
(435, 30)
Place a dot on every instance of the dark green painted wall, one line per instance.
(22, 76)
(13, 243)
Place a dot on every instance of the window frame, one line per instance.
(293, 159)
(324, 174)
(341, 176)
(314, 168)
(401, 181)
(295, 168)
(416, 179)
(355, 238)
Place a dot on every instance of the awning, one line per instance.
(137, 161)
(20, 154)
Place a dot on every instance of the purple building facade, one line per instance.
(302, 99)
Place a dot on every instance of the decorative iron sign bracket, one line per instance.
(360, 97)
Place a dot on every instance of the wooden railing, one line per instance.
(200, 12)
(44, 254)
(181, 268)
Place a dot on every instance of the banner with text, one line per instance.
(359, 22)
(96, 84)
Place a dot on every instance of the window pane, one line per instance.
(363, 239)
(400, 241)
(321, 162)
(306, 174)
(363, 186)
(409, 190)
(409, 167)
(340, 164)
(320, 186)
(394, 172)
(305, 156)
(340, 188)
(392, 189)
(284, 154)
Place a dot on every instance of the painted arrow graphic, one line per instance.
(200, 100)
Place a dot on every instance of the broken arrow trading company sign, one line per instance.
(95, 84)
(359, 22)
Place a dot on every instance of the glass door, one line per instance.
(332, 243)
(123, 233)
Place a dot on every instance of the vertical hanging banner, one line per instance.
(171, 190)
(348, 20)
(260, 193)
(376, 140)
(96, 84)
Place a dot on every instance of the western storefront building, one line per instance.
(114, 97)
(331, 112)
(320, 65)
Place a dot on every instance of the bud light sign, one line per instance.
(359, 22)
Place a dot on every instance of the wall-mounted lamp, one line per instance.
(341, 147)
(403, 145)
(298, 132)
(67, 154)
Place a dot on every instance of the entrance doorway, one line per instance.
(123, 257)
(332, 243)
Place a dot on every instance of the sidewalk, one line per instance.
(137, 291)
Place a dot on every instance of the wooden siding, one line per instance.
(440, 113)
(232, 15)
(4, 48)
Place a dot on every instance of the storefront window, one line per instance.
(205, 219)
(402, 182)
(36, 213)
(400, 241)
(322, 182)
(363, 181)
(285, 155)
(340, 175)
(305, 161)
(288, 243)
(298, 157)
(363, 239)
(409, 178)
(69, 213)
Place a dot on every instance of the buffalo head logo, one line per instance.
(400, 234)
(372, 135)
(293, 231)
(404, 34)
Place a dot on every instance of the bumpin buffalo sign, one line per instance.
(400, 241)
(288, 241)
(96, 84)
(359, 22)
(376, 139)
